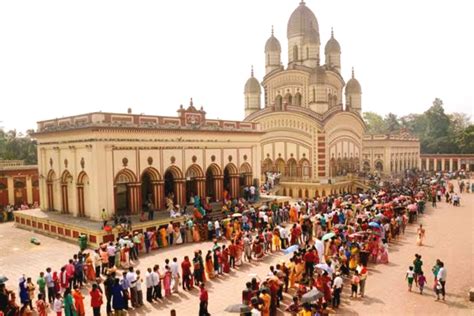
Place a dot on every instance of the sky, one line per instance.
(61, 58)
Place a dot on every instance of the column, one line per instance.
(29, 190)
(435, 164)
(201, 187)
(219, 187)
(180, 191)
(158, 194)
(134, 197)
(11, 190)
(234, 185)
(442, 164)
(427, 164)
(450, 164)
(459, 163)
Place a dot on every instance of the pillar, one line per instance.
(234, 185)
(427, 164)
(80, 199)
(11, 190)
(201, 187)
(134, 197)
(64, 198)
(219, 187)
(442, 164)
(158, 194)
(29, 190)
(180, 191)
(450, 164)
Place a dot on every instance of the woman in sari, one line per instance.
(69, 309)
(225, 259)
(383, 253)
(421, 235)
(153, 242)
(209, 265)
(299, 269)
(189, 232)
(177, 238)
(90, 272)
(229, 230)
(276, 239)
(124, 257)
(239, 251)
(353, 260)
(293, 215)
(167, 281)
(164, 240)
(78, 301)
(257, 248)
(292, 273)
(196, 236)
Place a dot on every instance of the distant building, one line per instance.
(309, 129)
(18, 183)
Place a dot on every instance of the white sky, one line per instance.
(60, 58)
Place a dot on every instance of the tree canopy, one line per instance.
(16, 146)
(438, 131)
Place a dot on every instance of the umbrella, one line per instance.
(3, 279)
(311, 296)
(324, 267)
(328, 236)
(290, 249)
(374, 224)
(236, 215)
(320, 248)
(238, 308)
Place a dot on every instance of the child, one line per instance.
(58, 305)
(438, 288)
(41, 305)
(354, 284)
(421, 282)
(410, 275)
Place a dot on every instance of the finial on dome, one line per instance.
(191, 102)
(352, 72)
(332, 32)
(302, 2)
(272, 30)
(251, 71)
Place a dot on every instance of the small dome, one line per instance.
(353, 86)
(317, 76)
(252, 85)
(332, 46)
(272, 45)
(303, 22)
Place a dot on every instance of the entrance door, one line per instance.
(122, 199)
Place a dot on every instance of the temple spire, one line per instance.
(332, 32)
(251, 71)
(352, 72)
(272, 30)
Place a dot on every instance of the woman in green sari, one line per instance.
(69, 309)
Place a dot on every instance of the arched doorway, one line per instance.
(245, 174)
(195, 182)
(174, 187)
(267, 166)
(214, 183)
(151, 189)
(20, 195)
(231, 180)
(126, 195)
(366, 166)
(66, 192)
(83, 200)
(305, 168)
(280, 166)
(291, 168)
(52, 191)
(379, 166)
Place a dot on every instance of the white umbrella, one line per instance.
(319, 245)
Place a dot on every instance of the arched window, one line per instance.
(298, 98)
(288, 98)
(295, 53)
(278, 102)
(314, 94)
(329, 99)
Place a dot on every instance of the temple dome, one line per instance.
(303, 22)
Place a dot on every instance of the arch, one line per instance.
(152, 173)
(291, 168)
(280, 166)
(378, 165)
(305, 168)
(245, 168)
(306, 193)
(174, 187)
(267, 166)
(194, 182)
(231, 180)
(330, 99)
(125, 192)
(366, 166)
(83, 192)
(245, 175)
(297, 99)
(300, 193)
(66, 194)
(52, 190)
(214, 182)
(288, 99)
(278, 102)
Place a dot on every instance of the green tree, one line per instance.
(391, 123)
(15, 146)
(375, 123)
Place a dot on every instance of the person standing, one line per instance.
(363, 277)
(78, 301)
(337, 287)
(139, 289)
(174, 267)
(97, 263)
(41, 284)
(169, 233)
(105, 217)
(441, 277)
(111, 254)
(51, 286)
(156, 281)
(41, 305)
(96, 299)
(132, 281)
(118, 300)
(417, 264)
(149, 285)
(186, 270)
(421, 282)
(58, 305)
(203, 300)
(31, 291)
(420, 235)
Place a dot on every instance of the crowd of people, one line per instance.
(331, 240)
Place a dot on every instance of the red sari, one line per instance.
(225, 260)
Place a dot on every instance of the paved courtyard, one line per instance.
(449, 237)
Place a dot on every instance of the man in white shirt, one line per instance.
(132, 280)
(97, 263)
(337, 286)
(217, 227)
(441, 276)
(149, 285)
(50, 284)
(174, 267)
(156, 283)
(111, 253)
